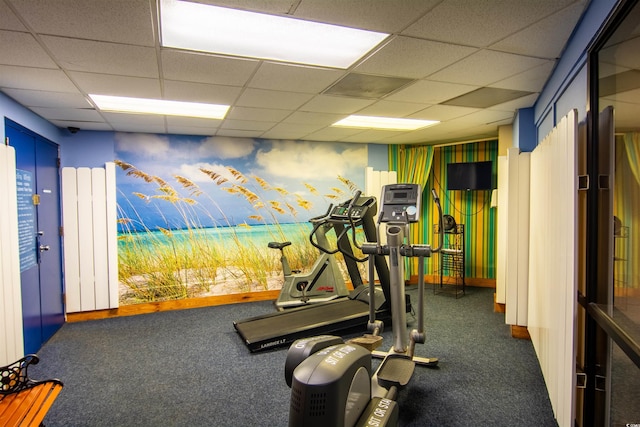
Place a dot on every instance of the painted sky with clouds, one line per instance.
(284, 164)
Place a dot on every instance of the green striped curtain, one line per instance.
(632, 147)
(413, 165)
(471, 208)
(626, 207)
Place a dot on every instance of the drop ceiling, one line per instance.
(470, 64)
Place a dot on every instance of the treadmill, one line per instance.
(340, 315)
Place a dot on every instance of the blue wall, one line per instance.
(14, 111)
(567, 88)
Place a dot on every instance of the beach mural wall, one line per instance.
(195, 214)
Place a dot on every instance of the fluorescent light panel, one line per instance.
(123, 104)
(388, 123)
(200, 27)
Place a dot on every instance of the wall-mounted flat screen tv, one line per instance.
(470, 176)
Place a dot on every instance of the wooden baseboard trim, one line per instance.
(479, 282)
(520, 332)
(498, 307)
(154, 307)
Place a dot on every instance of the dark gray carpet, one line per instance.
(190, 368)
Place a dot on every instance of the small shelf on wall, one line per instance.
(451, 261)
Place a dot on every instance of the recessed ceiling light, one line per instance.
(388, 123)
(205, 28)
(123, 104)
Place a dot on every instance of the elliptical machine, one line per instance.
(331, 381)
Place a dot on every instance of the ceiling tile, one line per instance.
(80, 114)
(389, 16)
(239, 133)
(370, 136)
(481, 23)
(391, 109)
(105, 84)
(312, 118)
(200, 92)
(486, 67)
(203, 68)
(141, 128)
(120, 21)
(486, 97)
(246, 125)
(412, 58)
(512, 106)
(175, 121)
(105, 58)
(35, 79)
(293, 78)
(545, 38)
(484, 117)
(35, 98)
(258, 114)
(22, 49)
(289, 131)
(336, 104)
(266, 6)
(532, 80)
(260, 98)
(332, 134)
(9, 20)
(443, 113)
(430, 92)
(122, 118)
(367, 86)
(100, 126)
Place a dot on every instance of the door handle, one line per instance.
(44, 248)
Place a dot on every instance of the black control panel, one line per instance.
(400, 203)
(358, 210)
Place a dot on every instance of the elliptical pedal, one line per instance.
(396, 371)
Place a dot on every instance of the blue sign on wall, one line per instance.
(26, 220)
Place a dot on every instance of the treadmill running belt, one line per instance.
(282, 328)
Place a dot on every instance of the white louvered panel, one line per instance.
(11, 335)
(524, 161)
(511, 262)
(99, 232)
(503, 214)
(85, 240)
(112, 233)
(552, 271)
(71, 239)
(89, 205)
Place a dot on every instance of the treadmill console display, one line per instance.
(400, 203)
(358, 210)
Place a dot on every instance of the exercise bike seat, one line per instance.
(278, 245)
(396, 371)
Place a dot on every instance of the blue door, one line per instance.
(38, 185)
